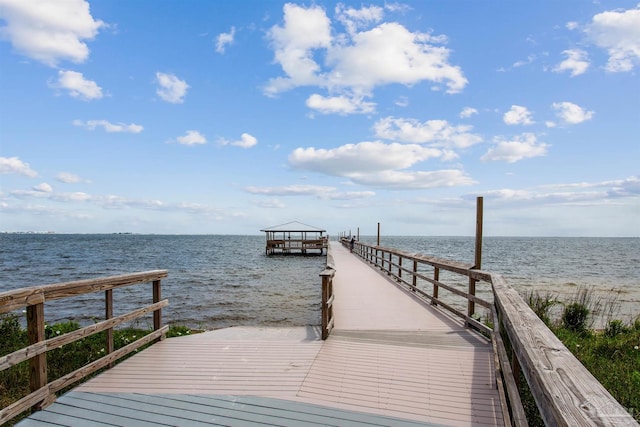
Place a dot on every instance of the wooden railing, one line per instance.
(565, 392)
(327, 295)
(33, 299)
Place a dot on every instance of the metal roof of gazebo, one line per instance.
(294, 226)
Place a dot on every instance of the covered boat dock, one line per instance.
(295, 238)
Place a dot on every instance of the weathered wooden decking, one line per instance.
(391, 360)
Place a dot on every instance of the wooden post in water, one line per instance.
(478, 257)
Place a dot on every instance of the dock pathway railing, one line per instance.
(327, 295)
(565, 392)
(34, 298)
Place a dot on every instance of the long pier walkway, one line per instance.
(391, 360)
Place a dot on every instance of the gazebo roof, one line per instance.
(294, 226)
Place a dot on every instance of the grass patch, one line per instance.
(612, 355)
(14, 382)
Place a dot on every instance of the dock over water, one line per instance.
(390, 360)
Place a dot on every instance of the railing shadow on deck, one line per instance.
(565, 392)
(43, 392)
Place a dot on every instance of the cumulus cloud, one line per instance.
(192, 137)
(224, 39)
(77, 86)
(437, 133)
(576, 62)
(618, 32)
(518, 115)
(49, 31)
(108, 126)
(293, 44)
(354, 19)
(365, 157)
(571, 113)
(246, 141)
(43, 188)
(13, 165)
(340, 104)
(171, 88)
(468, 112)
(368, 54)
(520, 147)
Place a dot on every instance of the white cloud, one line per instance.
(359, 60)
(619, 33)
(109, 127)
(571, 113)
(576, 62)
(583, 193)
(192, 137)
(365, 157)
(271, 203)
(340, 105)
(49, 31)
(572, 25)
(438, 133)
(303, 30)
(519, 148)
(389, 53)
(468, 112)
(68, 178)
(518, 115)
(224, 39)
(352, 195)
(43, 188)
(171, 88)
(77, 85)
(401, 180)
(292, 190)
(354, 19)
(11, 165)
(246, 141)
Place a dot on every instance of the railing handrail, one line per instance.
(33, 299)
(566, 393)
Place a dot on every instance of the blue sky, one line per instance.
(212, 117)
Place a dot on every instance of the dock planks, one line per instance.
(391, 360)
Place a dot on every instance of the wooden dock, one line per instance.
(390, 360)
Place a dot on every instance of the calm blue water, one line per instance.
(219, 281)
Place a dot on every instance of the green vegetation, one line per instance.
(611, 355)
(14, 382)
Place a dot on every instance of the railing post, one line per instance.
(37, 364)
(415, 278)
(436, 278)
(327, 303)
(157, 314)
(399, 267)
(108, 314)
(471, 309)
